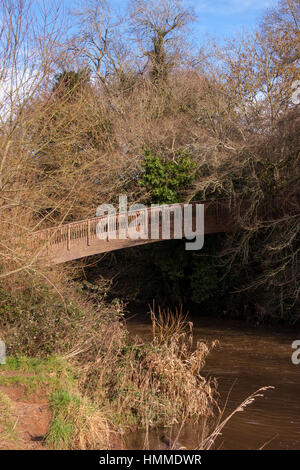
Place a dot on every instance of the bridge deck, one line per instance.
(80, 239)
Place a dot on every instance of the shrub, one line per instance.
(35, 320)
(166, 179)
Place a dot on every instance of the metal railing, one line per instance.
(85, 232)
(68, 234)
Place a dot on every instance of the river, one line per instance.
(246, 359)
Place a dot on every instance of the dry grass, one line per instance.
(76, 424)
(9, 438)
(159, 383)
(209, 441)
(70, 419)
(167, 324)
(206, 431)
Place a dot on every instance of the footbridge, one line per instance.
(107, 233)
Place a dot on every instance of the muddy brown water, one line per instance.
(247, 358)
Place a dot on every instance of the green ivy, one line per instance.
(166, 179)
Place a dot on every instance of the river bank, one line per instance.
(246, 359)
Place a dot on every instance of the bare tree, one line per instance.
(93, 41)
(29, 43)
(282, 23)
(159, 28)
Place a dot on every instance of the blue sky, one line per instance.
(218, 18)
(221, 18)
(228, 17)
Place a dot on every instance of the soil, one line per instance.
(32, 416)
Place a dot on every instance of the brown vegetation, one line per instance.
(71, 143)
(78, 113)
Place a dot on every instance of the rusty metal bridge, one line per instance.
(81, 239)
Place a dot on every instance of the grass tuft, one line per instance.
(9, 437)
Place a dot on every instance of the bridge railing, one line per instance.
(66, 235)
(87, 231)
